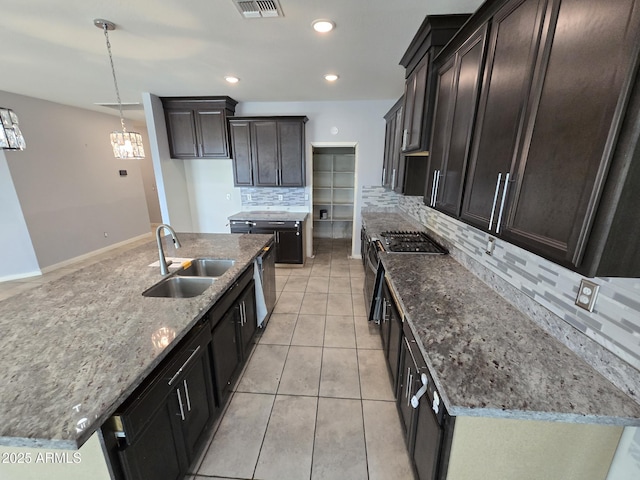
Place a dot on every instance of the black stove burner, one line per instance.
(410, 242)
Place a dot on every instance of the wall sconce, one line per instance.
(10, 135)
(125, 144)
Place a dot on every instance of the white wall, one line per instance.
(67, 181)
(19, 257)
(207, 183)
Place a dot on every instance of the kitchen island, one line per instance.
(517, 396)
(74, 350)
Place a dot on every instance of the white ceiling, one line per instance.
(51, 49)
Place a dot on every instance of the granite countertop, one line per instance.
(270, 215)
(488, 358)
(75, 348)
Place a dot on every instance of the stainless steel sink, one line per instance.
(206, 267)
(179, 287)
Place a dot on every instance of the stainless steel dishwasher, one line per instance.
(266, 272)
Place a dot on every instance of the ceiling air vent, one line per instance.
(259, 8)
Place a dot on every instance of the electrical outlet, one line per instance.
(491, 245)
(106, 234)
(279, 198)
(587, 294)
(228, 196)
(248, 197)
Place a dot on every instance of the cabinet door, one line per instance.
(513, 44)
(441, 130)
(467, 74)
(213, 133)
(590, 57)
(407, 380)
(226, 353)
(158, 451)
(291, 153)
(181, 126)
(264, 141)
(415, 94)
(389, 137)
(289, 246)
(249, 320)
(194, 394)
(241, 141)
(428, 437)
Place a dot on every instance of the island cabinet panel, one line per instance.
(512, 48)
(570, 137)
(268, 151)
(226, 354)
(163, 424)
(197, 126)
(454, 143)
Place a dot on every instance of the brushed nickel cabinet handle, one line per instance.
(186, 394)
(504, 196)
(180, 403)
(184, 365)
(495, 200)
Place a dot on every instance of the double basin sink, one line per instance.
(191, 280)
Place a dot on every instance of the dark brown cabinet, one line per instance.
(268, 151)
(289, 237)
(392, 143)
(433, 34)
(515, 34)
(197, 126)
(162, 426)
(458, 88)
(551, 168)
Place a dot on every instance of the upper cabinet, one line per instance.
(458, 87)
(268, 151)
(554, 159)
(419, 94)
(392, 139)
(197, 126)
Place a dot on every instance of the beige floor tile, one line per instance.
(309, 331)
(322, 259)
(367, 334)
(339, 451)
(236, 445)
(288, 444)
(339, 332)
(264, 370)
(289, 303)
(301, 375)
(359, 307)
(340, 270)
(314, 304)
(296, 284)
(321, 270)
(340, 285)
(301, 271)
(339, 304)
(339, 376)
(318, 285)
(280, 328)
(386, 452)
(374, 375)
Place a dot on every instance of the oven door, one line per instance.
(372, 284)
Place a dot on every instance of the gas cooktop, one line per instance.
(410, 242)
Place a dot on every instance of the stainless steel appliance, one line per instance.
(266, 273)
(410, 242)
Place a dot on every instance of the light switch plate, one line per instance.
(587, 293)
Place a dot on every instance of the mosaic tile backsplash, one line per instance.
(614, 323)
(291, 197)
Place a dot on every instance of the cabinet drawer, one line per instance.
(136, 412)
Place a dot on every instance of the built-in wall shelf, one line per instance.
(333, 192)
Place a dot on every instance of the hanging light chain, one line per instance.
(113, 72)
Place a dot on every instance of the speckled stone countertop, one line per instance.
(74, 349)
(486, 357)
(270, 215)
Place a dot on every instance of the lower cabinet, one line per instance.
(391, 324)
(161, 427)
(234, 323)
(289, 237)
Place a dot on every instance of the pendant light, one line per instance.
(125, 144)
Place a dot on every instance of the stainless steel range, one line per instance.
(410, 242)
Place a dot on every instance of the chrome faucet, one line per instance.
(164, 265)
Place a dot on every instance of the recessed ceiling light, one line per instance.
(231, 79)
(331, 77)
(323, 26)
